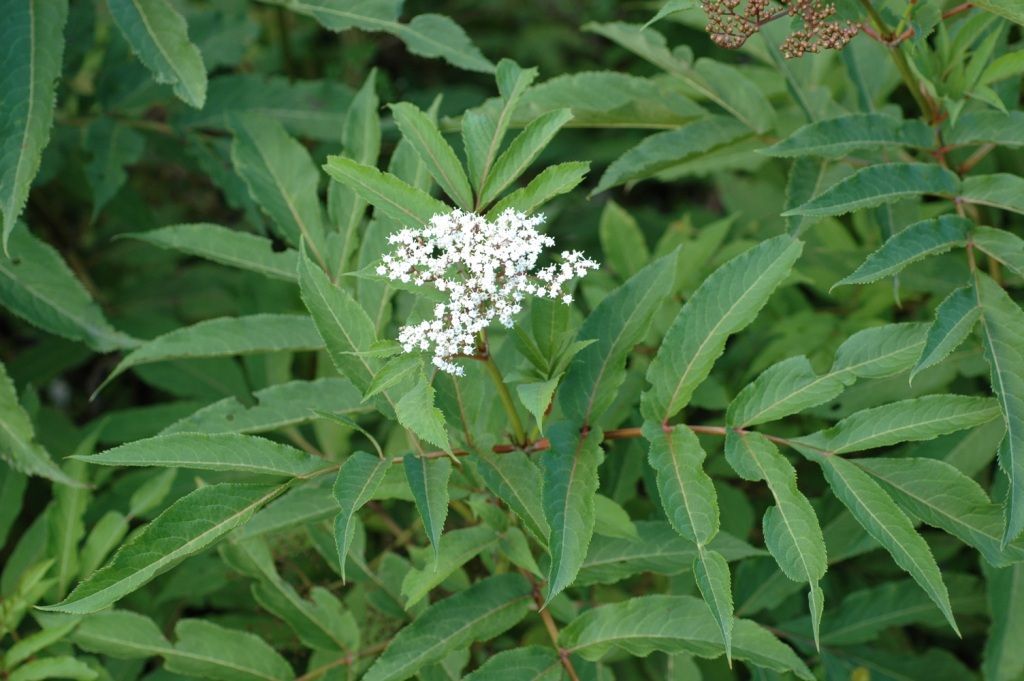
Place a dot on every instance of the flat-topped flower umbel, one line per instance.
(485, 268)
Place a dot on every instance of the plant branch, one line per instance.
(551, 627)
(518, 432)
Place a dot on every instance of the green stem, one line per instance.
(901, 63)
(506, 399)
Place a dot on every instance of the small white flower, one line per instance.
(486, 268)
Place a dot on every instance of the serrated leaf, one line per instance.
(880, 351)
(976, 127)
(536, 396)
(618, 323)
(1004, 8)
(570, 483)
(673, 624)
(435, 35)
(401, 202)
(516, 480)
(455, 549)
(527, 663)
(611, 520)
(394, 371)
(481, 612)
(225, 246)
(955, 317)
(189, 525)
(521, 152)
(428, 479)
(837, 137)
(622, 242)
(725, 303)
(1004, 191)
(357, 481)
(943, 497)
(1003, 657)
(220, 452)
(225, 337)
(916, 242)
(38, 286)
(785, 388)
(1002, 327)
(687, 493)
(214, 652)
(282, 179)
(553, 181)
(33, 33)
(1001, 245)
(805, 177)
(880, 184)
(711, 573)
(416, 411)
(120, 633)
(437, 155)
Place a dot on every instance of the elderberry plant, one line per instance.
(297, 387)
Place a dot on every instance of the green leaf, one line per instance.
(221, 452)
(1004, 191)
(395, 370)
(711, 573)
(282, 179)
(1001, 245)
(886, 523)
(435, 35)
(516, 480)
(1004, 8)
(837, 137)
(725, 303)
(399, 201)
(214, 652)
(357, 482)
(880, 184)
(455, 549)
(18, 445)
(921, 418)
(479, 613)
(416, 411)
(687, 493)
(785, 388)
(622, 242)
(437, 155)
(37, 285)
(521, 152)
(673, 624)
(483, 129)
(526, 663)
(159, 37)
(665, 149)
(58, 667)
(955, 317)
(112, 147)
(225, 246)
(1002, 327)
(671, 7)
(1003, 657)
(916, 242)
(120, 633)
(570, 483)
(225, 337)
(105, 536)
(880, 351)
(428, 479)
(33, 33)
(976, 127)
(189, 525)
(278, 406)
(943, 497)
(553, 181)
(805, 177)
(617, 324)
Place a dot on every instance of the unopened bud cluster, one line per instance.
(731, 25)
(485, 268)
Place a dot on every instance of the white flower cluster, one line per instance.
(486, 269)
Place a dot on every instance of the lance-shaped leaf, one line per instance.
(38, 286)
(570, 483)
(428, 479)
(18, 446)
(455, 550)
(1004, 191)
(416, 411)
(159, 37)
(122, 634)
(437, 155)
(879, 184)
(1003, 656)
(33, 36)
(210, 651)
(955, 317)
(516, 480)
(783, 389)
(282, 179)
(673, 624)
(1002, 245)
(622, 241)
(916, 242)
(528, 663)
(401, 202)
(921, 418)
(837, 137)
(221, 452)
(880, 351)
(225, 246)
(976, 127)
(551, 182)
(357, 481)
(791, 529)
(726, 302)
(1002, 327)
(616, 325)
(879, 515)
(225, 337)
(943, 497)
(484, 128)
(481, 612)
(189, 525)
(521, 152)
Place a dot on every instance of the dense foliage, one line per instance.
(270, 410)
